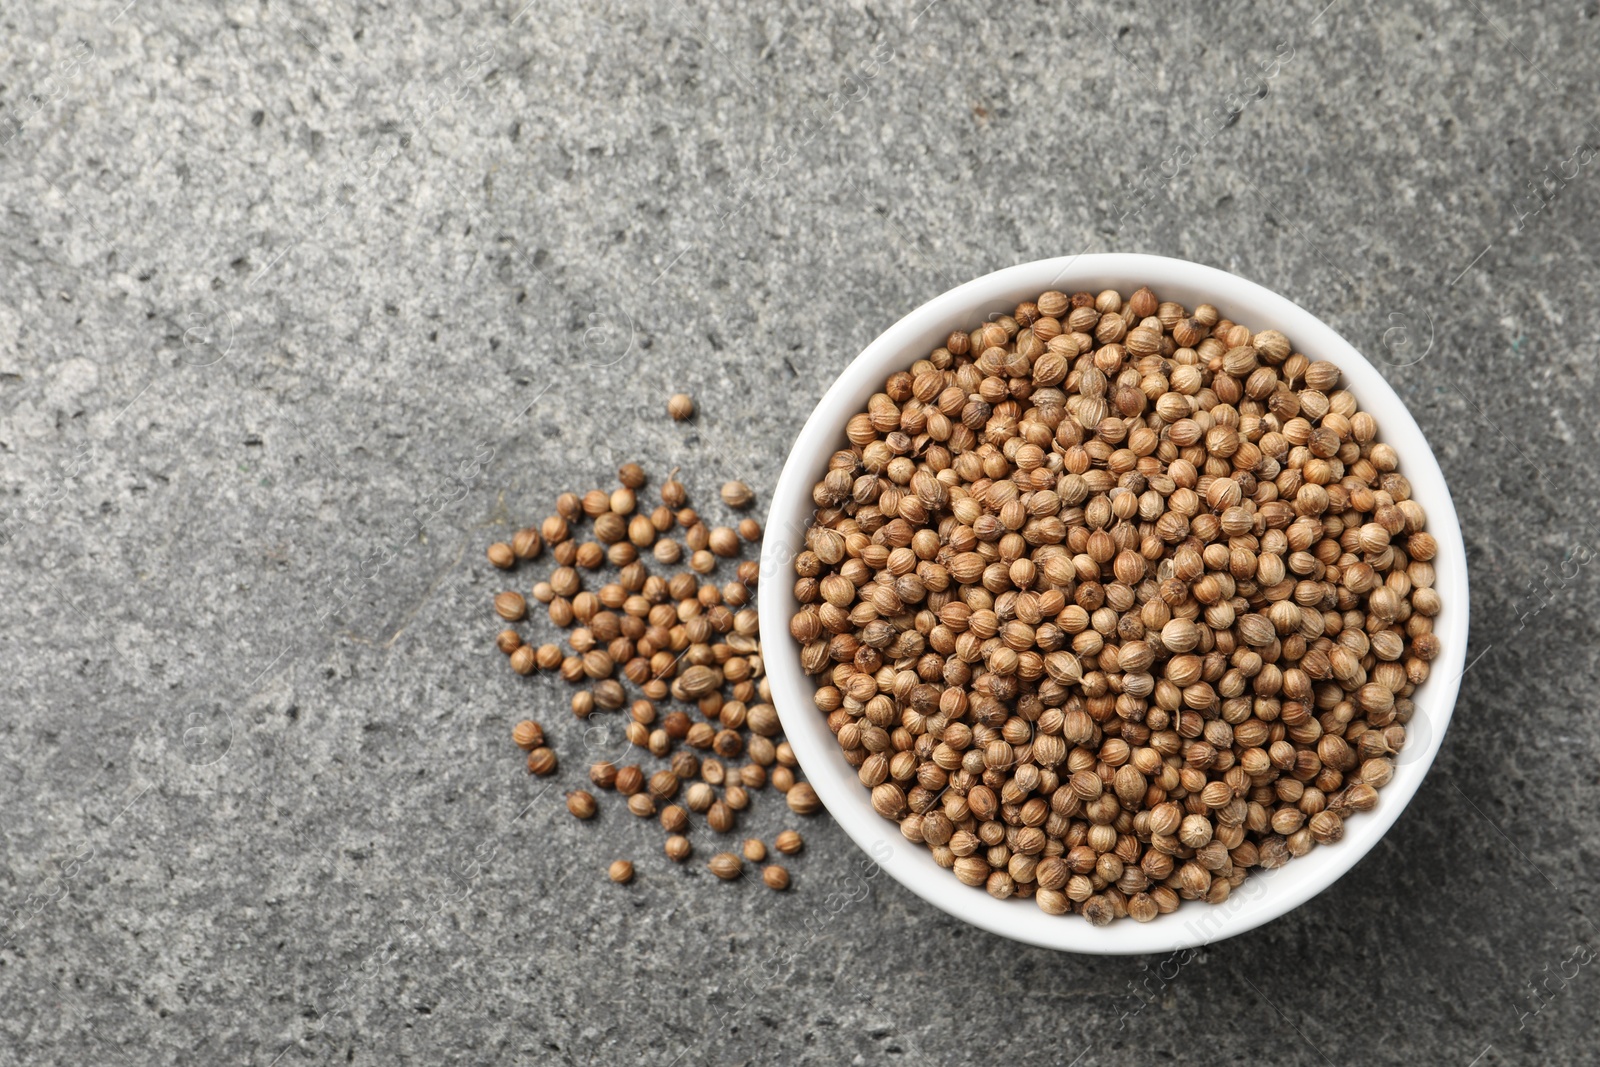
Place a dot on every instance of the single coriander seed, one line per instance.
(582, 804)
(629, 780)
(603, 774)
(802, 799)
(620, 872)
(775, 877)
(631, 475)
(724, 542)
(510, 606)
(680, 406)
(527, 544)
(726, 865)
(528, 735)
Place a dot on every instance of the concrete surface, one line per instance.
(300, 307)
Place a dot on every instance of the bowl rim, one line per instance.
(1263, 896)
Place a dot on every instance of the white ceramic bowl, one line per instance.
(1264, 895)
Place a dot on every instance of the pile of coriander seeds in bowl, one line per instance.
(1109, 601)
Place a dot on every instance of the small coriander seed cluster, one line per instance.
(698, 709)
(1110, 601)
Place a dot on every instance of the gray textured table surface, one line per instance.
(299, 308)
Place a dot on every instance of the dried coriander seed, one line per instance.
(510, 606)
(542, 761)
(736, 494)
(788, 842)
(726, 865)
(527, 544)
(754, 850)
(699, 797)
(664, 785)
(527, 735)
(680, 406)
(620, 871)
(631, 475)
(501, 556)
(582, 804)
(629, 780)
(802, 799)
(775, 877)
(723, 542)
(678, 848)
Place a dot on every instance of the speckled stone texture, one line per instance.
(300, 307)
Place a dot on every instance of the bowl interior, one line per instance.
(1264, 894)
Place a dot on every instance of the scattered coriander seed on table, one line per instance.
(501, 556)
(510, 606)
(726, 865)
(629, 779)
(620, 871)
(802, 799)
(581, 803)
(674, 819)
(603, 774)
(527, 735)
(775, 877)
(691, 636)
(527, 544)
(680, 406)
(631, 475)
(788, 842)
